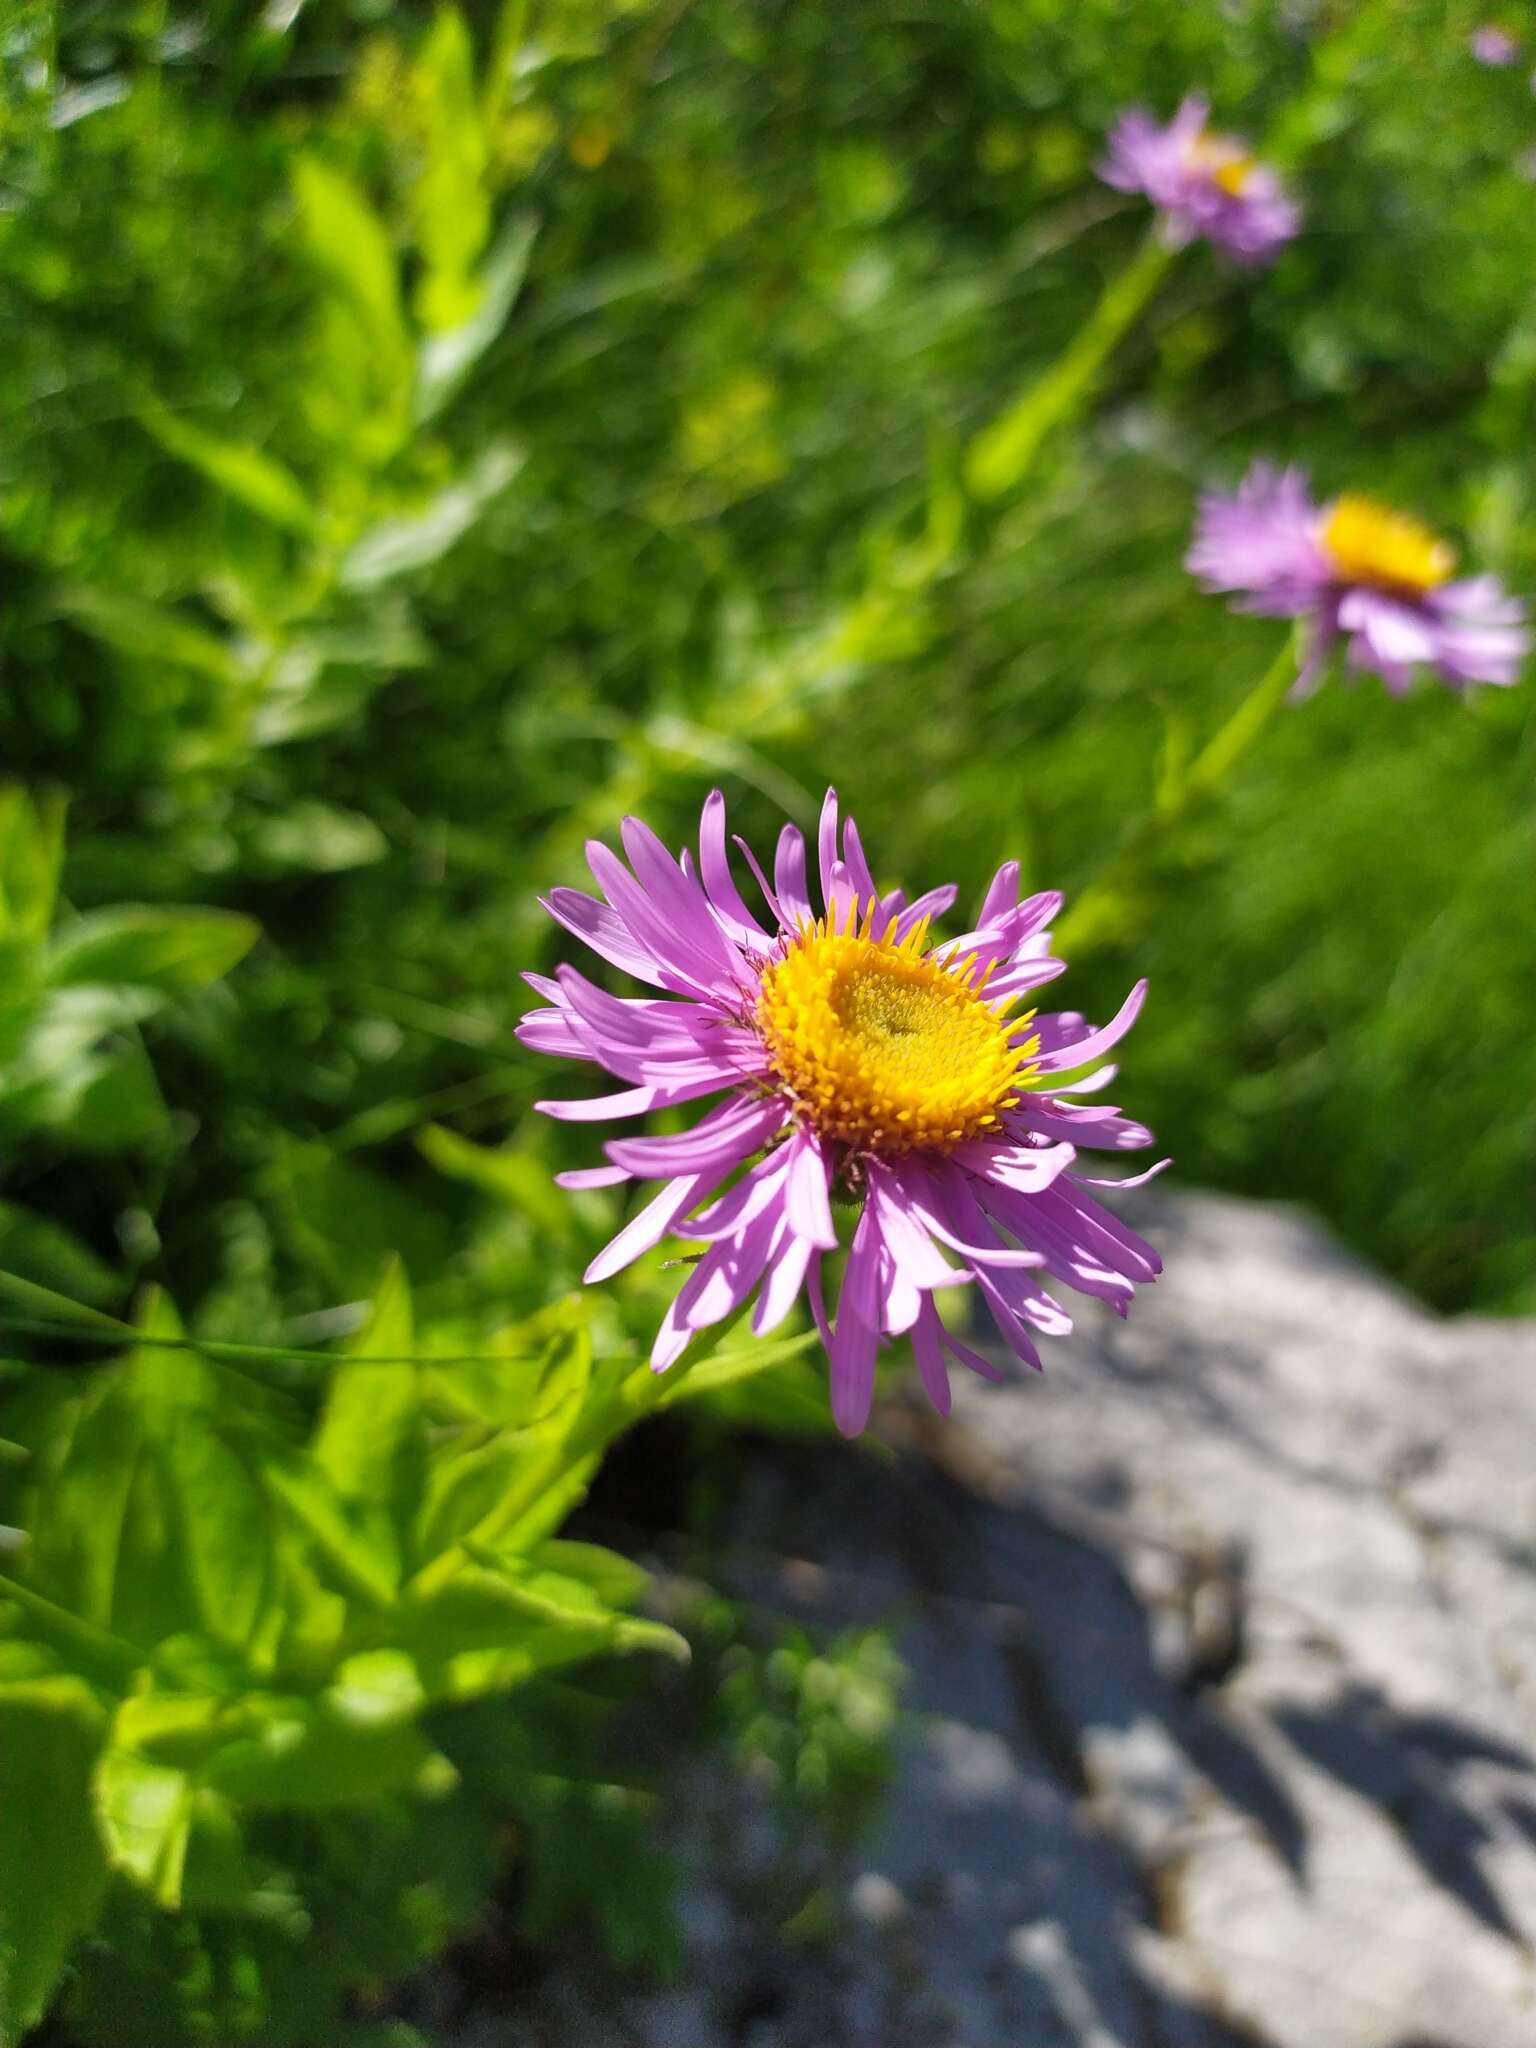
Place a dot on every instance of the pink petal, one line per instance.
(715, 866)
(789, 881)
(1088, 1049)
(648, 1226)
(805, 1193)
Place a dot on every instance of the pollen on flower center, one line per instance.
(1370, 543)
(885, 1048)
(1224, 161)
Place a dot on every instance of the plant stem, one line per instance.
(1096, 911)
(1227, 745)
(561, 1468)
(1001, 454)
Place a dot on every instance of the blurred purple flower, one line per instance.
(1202, 183)
(1357, 571)
(1493, 45)
(858, 1063)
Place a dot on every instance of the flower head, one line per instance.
(1358, 571)
(857, 1062)
(1203, 183)
(1493, 45)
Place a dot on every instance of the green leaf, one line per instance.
(452, 212)
(305, 1755)
(93, 1652)
(244, 472)
(318, 839)
(346, 1220)
(415, 540)
(148, 1522)
(37, 1248)
(731, 1368)
(52, 1869)
(44, 1301)
(559, 1492)
(72, 1069)
(153, 632)
(352, 245)
(368, 1443)
(145, 1811)
(446, 358)
(31, 855)
(218, 1522)
(500, 1622)
(106, 1102)
(616, 1581)
(536, 1370)
(376, 1687)
(530, 1400)
(144, 946)
(216, 1875)
(352, 1557)
(89, 1466)
(509, 1172)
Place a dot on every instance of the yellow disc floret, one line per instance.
(1370, 543)
(1224, 161)
(884, 1046)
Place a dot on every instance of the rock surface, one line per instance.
(1222, 1640)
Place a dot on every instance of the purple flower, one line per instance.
(1203, 184)
(857, 1062)
(1360, 572)
(1493, 45)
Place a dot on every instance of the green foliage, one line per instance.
(815, 1725)
(224, 1619)
(436, 432)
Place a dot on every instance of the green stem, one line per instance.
(1226, 747)
(236, 1354)
(1001, 454)
(637, 1395)
(1096, 911)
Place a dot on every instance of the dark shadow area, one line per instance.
(1075, 1603)
(1405, 1764)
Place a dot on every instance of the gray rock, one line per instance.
(1222, 1643)
(1325, 1503)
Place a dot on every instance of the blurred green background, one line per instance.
(426, 444)
(431, 435)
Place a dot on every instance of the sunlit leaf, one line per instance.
(415, 540)
(506, 1171)
(31, 854)
(154, 632)
(52, 1869)
(218, 1521)
(349, 240)
(447, 357)
(246, 473)
(305, 1755)
(368, 1444)
(145, 1812)
(450, 205)
(317, 838)
(170, 950)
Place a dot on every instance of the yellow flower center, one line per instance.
(1370, 543)
(887, 1049)
(1224, 161)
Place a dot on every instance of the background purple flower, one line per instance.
(1360, 572)
(854, 1060)
(1203, 183)
(1493, 45)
